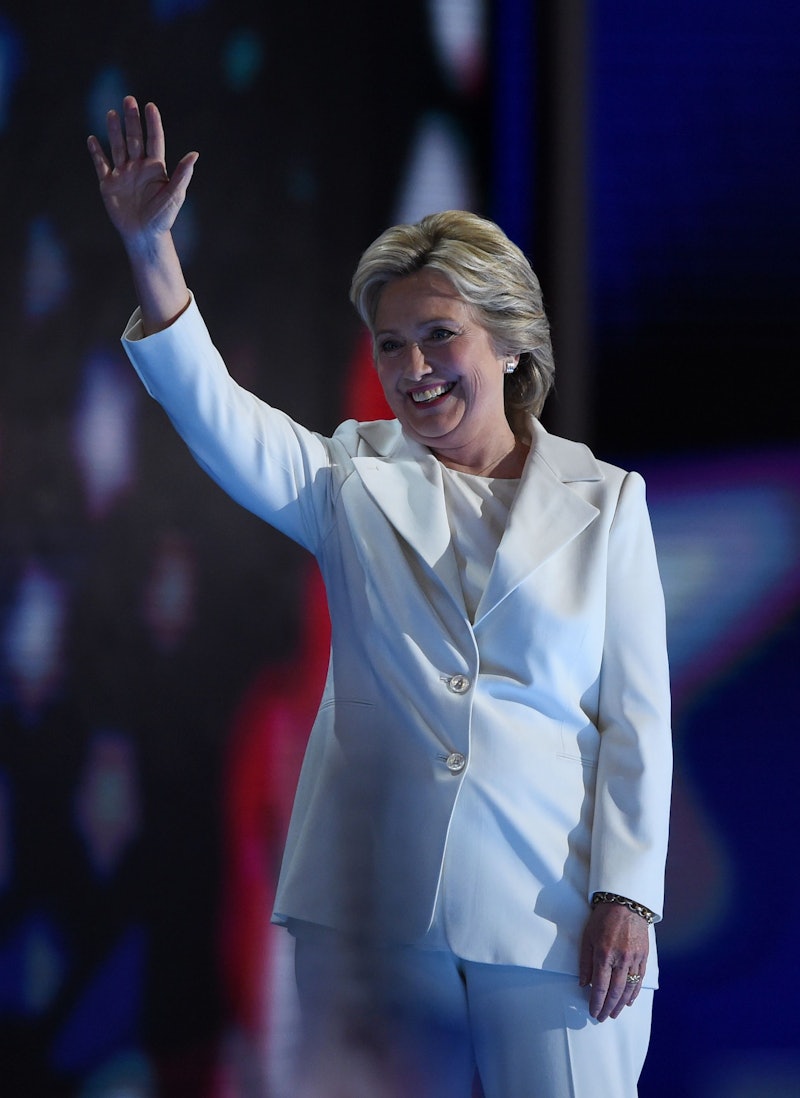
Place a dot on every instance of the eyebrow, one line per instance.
(443, 320)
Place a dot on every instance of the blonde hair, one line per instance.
(491, 275)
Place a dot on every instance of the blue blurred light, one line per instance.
(728, 545)
(11, 67)
(164, 11)
(6, 833)
(242, 59)
(107, 1017)
(32, 967)
(458, 30)
(437, 174)
(103, 431)
(47, 277)
(32, 643)
(107, 90)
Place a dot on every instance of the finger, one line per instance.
(637, 987)
(133, 128)
(101, 164)
(599, 993)
(631, 992)
(156, 145)
(116, 139)
(609, 994)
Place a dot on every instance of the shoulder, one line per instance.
(378, 437)
(569, 461)
(574, 461)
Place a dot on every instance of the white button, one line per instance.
(459, 684)
(456, 762)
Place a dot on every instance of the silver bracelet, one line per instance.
(638, 909)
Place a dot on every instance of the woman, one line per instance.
(478, 840)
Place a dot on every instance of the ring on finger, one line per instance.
(633, 977)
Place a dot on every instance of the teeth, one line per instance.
(421, 396)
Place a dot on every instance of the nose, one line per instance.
(417, 366)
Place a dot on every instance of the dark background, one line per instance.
(147, 625)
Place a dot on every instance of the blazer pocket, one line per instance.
(580, 745)
(348, 722)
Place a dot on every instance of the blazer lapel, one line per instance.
(405, 481)
(545, 516)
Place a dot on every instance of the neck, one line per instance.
(505, 461)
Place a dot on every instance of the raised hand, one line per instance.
(140, 197)
(143, 202)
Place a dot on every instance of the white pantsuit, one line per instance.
(491, 772)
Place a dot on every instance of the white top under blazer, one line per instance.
(520, 754)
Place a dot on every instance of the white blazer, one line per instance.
(495, 772)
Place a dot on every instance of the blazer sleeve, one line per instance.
(263, 459)
(631, 819)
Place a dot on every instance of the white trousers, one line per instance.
(392, 1022)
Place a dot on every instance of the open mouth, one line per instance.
(427, 396)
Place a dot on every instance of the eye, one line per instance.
(389, 346)
(441, 335)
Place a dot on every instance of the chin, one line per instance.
(428, 438)
(433, 426)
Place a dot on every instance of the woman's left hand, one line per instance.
(615, 945)
(140, 198)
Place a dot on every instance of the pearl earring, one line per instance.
(510, 366)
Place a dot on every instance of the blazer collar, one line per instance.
(405, 480)
(568, 461)
(546, 515)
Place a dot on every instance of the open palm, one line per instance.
(141, 199)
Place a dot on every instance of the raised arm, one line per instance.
(143, 202)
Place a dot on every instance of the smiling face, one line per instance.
(440, 373)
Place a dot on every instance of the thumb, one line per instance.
(182, 175)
